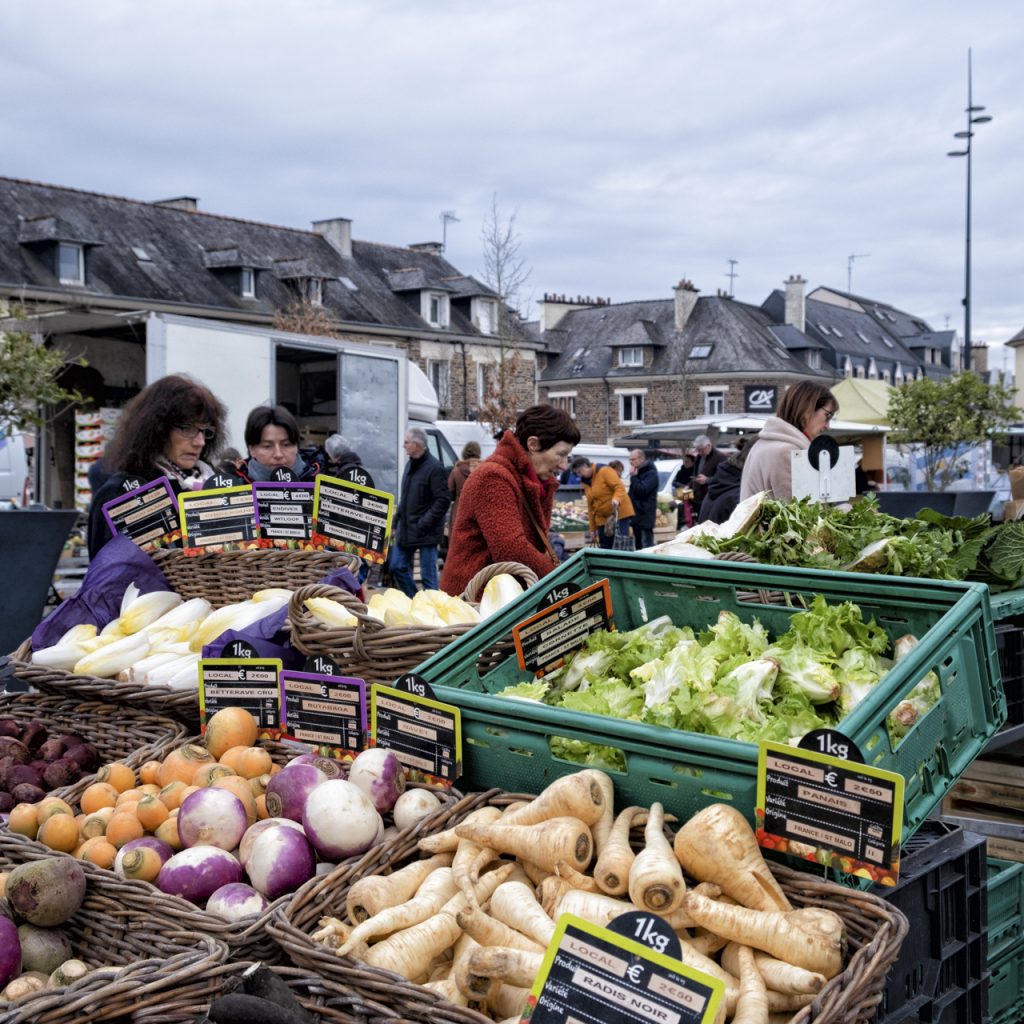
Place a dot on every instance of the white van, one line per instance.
(13, 466)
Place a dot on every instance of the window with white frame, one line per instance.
(814, 359)
(313, 289)
(248, 283)
(714, 403)
(70, 263)
(437, 309)
(872, 370)
(631, 407)
(439, 372)
(631, 355)
(860, 373)
(847, 367)
(565, 402)
(481, 383)
(486, 316)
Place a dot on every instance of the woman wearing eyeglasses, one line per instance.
(805, 412)
(272, 438)
(171, 428)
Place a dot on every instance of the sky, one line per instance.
(635, 144)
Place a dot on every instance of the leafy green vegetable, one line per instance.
(1002, 561)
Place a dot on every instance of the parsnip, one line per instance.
(460, 973)
(602, 828)
(717, 845)
(811, 938)
(512, 966)
(611, 872)
(373, 893)
(508, 1001)
(489, 931)
(752, 1002)
(565, 839)
(470, 857)
(575, 878)
(656, 879)
(580, 795)
(514, 904)
(778, 975)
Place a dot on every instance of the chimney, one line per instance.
(686, 300)
(433, 248)
(796, 308)
(554, 306)
(337, 233)
(189, 203)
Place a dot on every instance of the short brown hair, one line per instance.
(548, 424)
(802, 400)
(269, 415)
(470, 450)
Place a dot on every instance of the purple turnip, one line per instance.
(25, 793)
(46, 892)
(84, 755)
(34, 735)
(212, 817)
(380, 775)
(331, 768)
(340, 820)
(236, 901)
(280, 861)
(288, 789)
(197, 873)
(10, 951)
(60, 773)
(254, 830)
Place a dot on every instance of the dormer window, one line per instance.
(247, 283)
(313, 291)
(485, 315)
(70, 263)
(631, 355)
(435, 308)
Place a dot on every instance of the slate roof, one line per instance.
(740, 336)
(188, 247)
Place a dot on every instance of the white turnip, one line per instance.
(288, 790)
(280, 860)
(235, 901)
(212, 817)
(254, 830)
(195, 874)
(340, 820)
(412, 805)
(380, 775)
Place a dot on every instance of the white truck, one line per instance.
(367, 393)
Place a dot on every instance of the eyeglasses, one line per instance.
(193, 432)
(830, 414)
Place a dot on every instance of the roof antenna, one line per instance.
(849, 266)
(732, 275)
(447, 217)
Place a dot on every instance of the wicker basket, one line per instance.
(233, 576)
(153, 954)
(118, 734)
(221, 579)
(755, 596)
(375, 652)
(875, 928)
(248, 938)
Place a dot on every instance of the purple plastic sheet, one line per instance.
(117, 564)
(266, 635)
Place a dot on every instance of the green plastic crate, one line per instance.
(1005, 906)
(506, 742)
(1007, 604)
(1006, 987)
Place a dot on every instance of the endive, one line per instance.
(60, 656)
(237, 616)
(499, 591)
(78, 634)
(186, 678)
(140, 669)
(114, 657)
(146, 609)
(330, 613)
(162, 674)
(184, 615)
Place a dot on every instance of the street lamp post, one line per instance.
(974, 116)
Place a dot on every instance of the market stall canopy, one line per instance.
(865, 401)
(728, 427)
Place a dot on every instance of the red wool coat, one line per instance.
(492, 524)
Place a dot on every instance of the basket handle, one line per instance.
(297, 610)
(475, 587)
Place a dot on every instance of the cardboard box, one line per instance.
(1017, 483)
(1012, 510)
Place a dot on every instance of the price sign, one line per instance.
(425, 734)
(415, 684)
(221, 480)
(593, 974)
(250, 683)
(328, 711)
(559, 593)
(321, 666)
(352, 517)
(284, 513)
(649, 929)
(543, 640)
(222, 519)
(356, 475)
(147, 514)
(835, 812)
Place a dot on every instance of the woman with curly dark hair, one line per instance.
(171, 428)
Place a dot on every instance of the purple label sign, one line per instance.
(326, 711)
(147, 515)
(284, 512)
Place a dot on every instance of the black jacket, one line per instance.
(723, 493)
(643, 493)
(705, 466)
(423, 502)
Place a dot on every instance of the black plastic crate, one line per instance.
(1010, 647)
(940, 975)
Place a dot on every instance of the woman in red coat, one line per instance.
(505, 507)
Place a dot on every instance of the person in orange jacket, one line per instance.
(606, 493)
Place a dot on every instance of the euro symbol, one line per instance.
(635, 973)
(830, 778)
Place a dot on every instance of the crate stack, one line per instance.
(1005, 940)
(93, 430)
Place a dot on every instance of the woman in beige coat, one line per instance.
(805, 412)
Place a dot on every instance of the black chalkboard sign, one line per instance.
(146, 514)
(352, 517)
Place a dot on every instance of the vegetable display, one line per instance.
(473, 927)
(158, 638)
(732, 680)
(33, 762)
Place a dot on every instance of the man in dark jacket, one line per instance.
(643, 492)
(419, 521)
(708, 457)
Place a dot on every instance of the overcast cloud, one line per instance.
(639, 142)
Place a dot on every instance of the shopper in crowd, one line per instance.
(419, 521)
(724, 488)
(174, 427)
(805, 411)
(684, 475)
(505, 506)
(706, 460)
(643, 493)
(618, 466)
(468, 461)
(272, 440)
(606, 500)
(340, 455)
